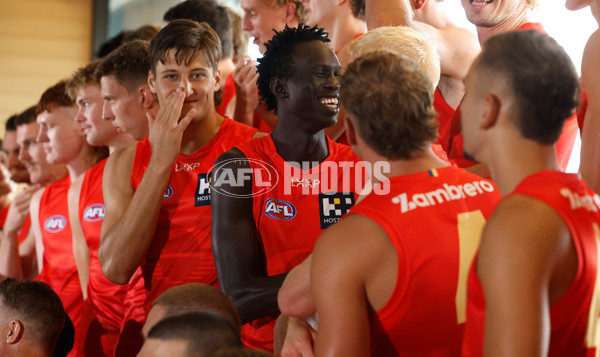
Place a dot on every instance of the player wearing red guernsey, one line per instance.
(123, 76)
(276, 228)
(532, 290)
(86, 208)
(63, 142)
(159, 216)
(17, 253)
(377, 296)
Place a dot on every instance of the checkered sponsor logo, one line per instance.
(333, 206)
(203, 190)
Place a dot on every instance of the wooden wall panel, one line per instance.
(41, 42)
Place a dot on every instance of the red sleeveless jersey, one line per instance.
(130, 337)
(228, 94)
(564, 145)
(105, 296)
(426, 313)
(58, 266)
(573, 318)
(444, 117)
(290, 217)
(181, 250)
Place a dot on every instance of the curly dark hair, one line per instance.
(279, 55)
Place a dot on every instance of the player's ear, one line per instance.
(15, 332)
(491, 111)
(147, 98)
(348, 128)
(151, 81)
(278, 87)
(290, 12)
(217, 80)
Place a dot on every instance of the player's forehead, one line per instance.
(183, 60)
(313, 54)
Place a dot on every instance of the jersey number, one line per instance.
(470, 226)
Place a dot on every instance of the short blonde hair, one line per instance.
(401, 40)
(300, 11)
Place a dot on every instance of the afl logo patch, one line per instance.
(280, 209)
(94, 213)
(168, 193)
(55, 224)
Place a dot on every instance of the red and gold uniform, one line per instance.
(58, 265)
(291, 214)
(572, 318)
(181, 250)
(426, 313)
(564, 145)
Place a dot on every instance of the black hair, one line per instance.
(279, 55)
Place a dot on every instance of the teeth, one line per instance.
(330, 102)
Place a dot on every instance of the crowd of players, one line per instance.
(380, 183)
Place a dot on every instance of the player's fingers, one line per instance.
(185, 121)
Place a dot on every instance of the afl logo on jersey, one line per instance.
(94, 213)
(55, 224)
(168, 193)
(279, 209)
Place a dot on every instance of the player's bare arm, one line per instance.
(131, 217)
(525, 265)
(34, 211)
(18, 260)
(295, 298)
(240, 268)
(81, 251)
(457, 47)
(590, 146)
(348, 282)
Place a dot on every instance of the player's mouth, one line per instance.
(332, 103)
(481, 2)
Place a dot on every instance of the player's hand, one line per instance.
(166, 129)
(18, 210)
(299, 339)
(245, 77)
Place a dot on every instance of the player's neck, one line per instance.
(344, 31)
(300, 147)
(86, 158)
(121, 141)
(200, 131)
(511, 164)
(508, 25)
